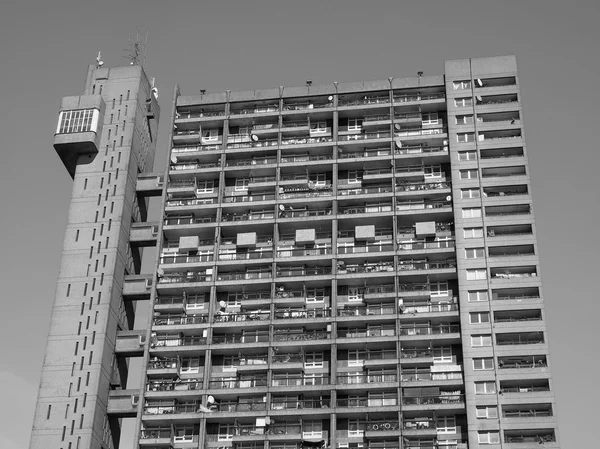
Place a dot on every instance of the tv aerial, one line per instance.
(136, 52)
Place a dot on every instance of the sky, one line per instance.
(45, 47)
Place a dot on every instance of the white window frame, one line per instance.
(205, 186)
(479, 317)
(321, 179)
(471, 212)
(471, 173)
(382, 398)
(485, 387)
(77, 121)
(229, 362)
(470, 194)
(481, 341)
(474, 253)
(470, 155)
(309, 378)
(312, 429)
(355, 124)
(356, 357)
(210, 135)
(483, 364)
(432, 171)
(354, 177)
(476, 274)
(430, 118)
(488, 437)
(225, 432)
(445, 354)
(463, 102)
(241, 184)
(318, 126)
(183, 434)
(473, 233)
(463, 119)
(314, 360)
(356, 428)
(446, 424)
(461, 85)
(478, 296)
(354, 294)
(483, 412)
(192, 365)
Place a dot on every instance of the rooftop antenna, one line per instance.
(136, 53)
(309, 83)
(99, 61)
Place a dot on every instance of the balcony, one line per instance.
(174, 385)
(174, 258)
(521, 338)
(426, 329)
(161, 341)
(185, 277)
(249, 198)
(426, 205)
(248, 255)
(253, 382)
(303, 335)
(365, 136)
(372, 310)
(251, 337)
(411, 98)
(372, 190)
(230, 317)
(411, 150)
(174, 320)
(306, 140)
(368, 248)
(256, 160)
(249, 216)
(299, 404)
(450, 398)
(522, 362)
(292, 314)
(361, 379)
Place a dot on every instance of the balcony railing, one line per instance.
(404, 98)
(409, 265)
(224, 317)
(294, 381)
(352, 379)
(413, 187)
(239, 338)
(183, 384)
(306, 271)
(453, 398)
(306, 140)
(368, 248)
(420, 204)
(420, 132)
(235, 383)
(287, 404)
(185, 258)
(300, 252)
(427, 375)
(250, 255)
(248, 198)
(258, 215)
(301, 314)
(429, 330)
(184, 277)
(306, 158)
(304, 336)
(178, 320)
(439, 244)
(365, 136)
(237, 407)
(365, 190)
(288, 358)
(417, 149)
(365, 311)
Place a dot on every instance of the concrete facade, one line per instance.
(342, 266)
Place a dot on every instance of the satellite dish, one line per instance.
(448, 198)
(174, 159)
(397, 126)
(160, 272)
(254, 138)
(222, 304)
(155, 92)
(478, 97)
(281, 207)
(330, 98)
(479, 82)
(398, 142)
(210, 400)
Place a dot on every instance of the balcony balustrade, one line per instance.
(425, 329)
(450, 398)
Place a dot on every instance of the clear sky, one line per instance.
(45, 47)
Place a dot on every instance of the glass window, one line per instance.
(472, 233)
(472, 212)
(206, 186)
(465, 137)
(486, 387)
(476, 274)
(474, 253)
(210, 135)
(488, 437)
(354, 176)
(479, 317)
(446, 424)
(461, 102)
(241, 184)
(356, 427)
(356, 357)
(480, 341)
(313, 360)
(467, 155)
(226, 432)
(478, 295)
(487, 412)
(463, 119)
(483, 363)
(460, 85)
(442, 354)
(78, 121)
(318, 127)
(469, 174)
(430, 118)
(355, 124)
(312, 429)
(190, 365)
(470, 193)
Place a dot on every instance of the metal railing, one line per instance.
(425, 329)
(428, 400)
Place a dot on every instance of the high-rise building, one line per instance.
(350, 265)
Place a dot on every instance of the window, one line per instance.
(462, 102)
(313, 360)
(470, 193)
(487, 412)
(319, 179)
(241, 184)
(314, 379)
(210, 135)
(442, 354)
(488, 437)
(312, 429)
(356, 428)
(382, 398)
(467, 155)
(460, 85)
(476, 274)
(446, 424)
(354, 124)
(356, 357)
(230, 362)
(206, 186)
(473, 212)
(226, 432)
(189, 365)
(472, 233)
(354, 176)
(78, 121)
(432, 171)
(354, 294)
(430, 118)
(474, 253)
(245, 130)
(469, 174)
(465, 137)
(318, 127)
(183, 434)
(478, 295)
(487, 387)
(483, 363)
(481, 341)
(463, 119)
(479, 317)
